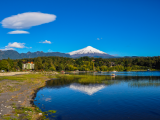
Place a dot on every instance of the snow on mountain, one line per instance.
(90, 52)
(87, 50)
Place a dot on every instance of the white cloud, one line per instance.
(15, 45)
(7, 49)
(18, 32)
(98, 39)
(46, 41)
(27, 20)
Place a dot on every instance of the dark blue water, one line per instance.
(130, 95)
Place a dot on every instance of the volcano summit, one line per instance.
(90, 52)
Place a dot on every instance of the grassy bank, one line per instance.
(20, 84)
(28, 79)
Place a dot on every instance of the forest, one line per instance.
(83, 64)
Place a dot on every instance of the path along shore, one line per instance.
(13, 73)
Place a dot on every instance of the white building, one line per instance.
(28, 66)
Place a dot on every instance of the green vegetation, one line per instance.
(26, 113)
(29, 113)
(83, 64)
(94, 79)
(26, 77)
(85, 79)
(49, 112)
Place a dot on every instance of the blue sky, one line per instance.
(124, 27)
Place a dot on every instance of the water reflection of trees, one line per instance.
(133, 81)
(137, 78)
(84, 80)
(140, 81)
(144, 84)
(58, 83)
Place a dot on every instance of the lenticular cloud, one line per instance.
(18, 32)
(27, 20)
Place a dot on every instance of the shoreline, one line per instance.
(18, 102)
(109, 71)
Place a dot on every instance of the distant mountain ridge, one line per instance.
(90, 52)
(15, 55)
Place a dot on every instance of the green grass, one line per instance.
(28, 113)
(8, 118)
(85, 78)
(22, 77)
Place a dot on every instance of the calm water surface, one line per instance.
(130, 95)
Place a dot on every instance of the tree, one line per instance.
(52, 68)
(4, 65)
(38, 64)
(20, 64)
(97, 69)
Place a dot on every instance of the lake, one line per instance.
(128, 95)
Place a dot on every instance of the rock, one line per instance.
(40, 114)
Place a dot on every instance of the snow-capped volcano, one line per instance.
(89, 51)
(86, 50)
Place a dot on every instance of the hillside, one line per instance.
(15, 55)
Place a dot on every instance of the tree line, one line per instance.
(83, 64)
